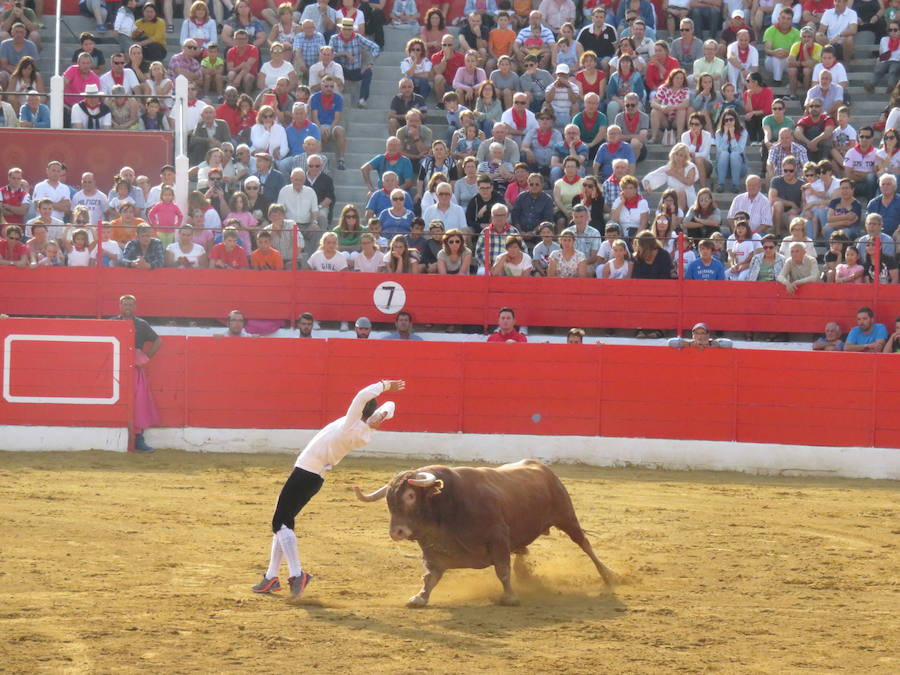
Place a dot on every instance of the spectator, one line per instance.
(850, 271)
(624, 81)
(15, 200)
(651, 260)
(391, 160)
(518, 122)
(786, 195)
(13, 253)
(185, 252)
(406, 100)
(444, 64)
(703, 217)
(887, 265)
(755, 204)
(235, 325)
(396, 219)
(300, 201)
(742, 245)
(797, 233)
(506, 328)
(679, 174)
(587, 237)
(534, 82)
(700, 340)
(785, 147)
(888, 58)
(514, 262)
(539, 142)
(615, 148)
(731, 139)
(575, 336)
(866, 336)
(707, 16)
(404, 13)
(381, 199)
(832, 341)
(307, 45)
(630, 210)
(241, 20)
(742, 57)
(844, 212)
(468, 79)
(757, 105)
(802, 58)
(799, 269)
(837, 27)
(281, 231)
(711, 65)
(767, 264)
(814, 131)
(403, 328)
(860, 164)
(874, 224)
(535, 40)
(533, 206)
(619, 265)
(54, 189)
(568, 262)
(198, 26)
(144, 251)
(492, 239)
(328, 258)
(451, 215)
(327, 112)
(498, 170)
(348, 47)
(326, 65)
(892, 344)
(78, 78)
(699, 143)
(706, 267)
(570, 146)
(488, 107)
(454, 257)
(777, 42)
(363, 328)
(227, 254)
(669, 107)
(887, 204)
(33, 113)
(568, 187)
(505, 79)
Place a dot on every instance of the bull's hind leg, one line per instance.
(572, 528)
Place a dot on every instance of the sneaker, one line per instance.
(362, 103)
(170, 28)
(345, 326)
(341, 165)
(101, 27)
(523, 330)
(141, 445)
(298, 584)
(267, 585)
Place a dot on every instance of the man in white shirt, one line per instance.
(117, 74)
(755, 204)
(743, 59)
(323, 452)
(54, 190)
(299, 200)
(452, 215)
(838, 26)
(860, 164)
(326, 65)
(91, 197)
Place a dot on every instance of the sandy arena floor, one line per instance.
(124, 563)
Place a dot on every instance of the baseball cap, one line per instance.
(737, 13)
(700, 324)
(562, 68)
(363, 322)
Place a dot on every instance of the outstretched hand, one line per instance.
(394, 385)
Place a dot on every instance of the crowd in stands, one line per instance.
(553, 112)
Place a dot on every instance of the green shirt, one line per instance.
(780, 40)
(775, 127)
(346, 238)
(589, 136)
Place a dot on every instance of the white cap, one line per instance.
(737, 12)
(562, 68)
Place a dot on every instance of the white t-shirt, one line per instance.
(838, 23)
(272, 73)
(343, 435)
(752, 56)
(363, 264)
(317, 71)
(318, 262)
(422, 68)
(44, 190)
(894, 163)
(175, 249)
(630, 218)
(519, 269)
(76, 258)
(857, 161)
(744, 250)
(455, 217)
(129, 81)
(844, 135)
(96, 204)
(706, 141)
(112, 248)
(883, 48)
(838, 73)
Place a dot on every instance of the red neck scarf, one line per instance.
(520, 119)
(327, 101)
(806, 54)
(613, 179)
(697, 141)
(743, 53)
(893, 44)
(543, 137)
(588, 122)
(613, 148)
(118, 79)
(302, 126)
(632, 202)
(632, 123)
(392, 158)
(861, 151)
(348, 12)
(573, 180)
(586, 199)
(349, 39)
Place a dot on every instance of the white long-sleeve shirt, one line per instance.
(272, 140)
(343, 435)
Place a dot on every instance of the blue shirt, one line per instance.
(295, 136)
(326, 117)
(697, 271)
(604, 158)
(381, 200)
(391, 224)
(402, 167)
(890, 214)
(857, 337)
(40, 120)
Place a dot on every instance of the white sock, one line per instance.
(274, 559)
(288, 542)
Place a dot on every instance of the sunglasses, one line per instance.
(454, 241)
(788, 170)
(814, 105)
(519, 102)
(893, 30)
(685, 30)
(351, 215)
(396, 199)
(695, 124)
(631, 105)
(867, 137)
(191, 47)
(314, 166)
(251, 188)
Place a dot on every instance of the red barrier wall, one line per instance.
(64, 373)
(102, 153)
(830, 399)
(590, 303)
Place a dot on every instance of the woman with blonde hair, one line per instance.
(328, 258)
(198, 26)
(619, 266)
(368, 258)
(679, 174)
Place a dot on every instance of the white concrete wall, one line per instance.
(419, 448)
(35, 439)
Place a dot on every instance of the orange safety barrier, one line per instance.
(814, 398)
(66, 372)
(102, 153)
(439, 299)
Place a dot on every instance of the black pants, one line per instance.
(375, 21)
(754, 128)
(298, 489)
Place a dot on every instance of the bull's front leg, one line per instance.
(499, 553)
(429, 580)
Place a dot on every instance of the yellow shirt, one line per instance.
(817, 51)
(155, 31)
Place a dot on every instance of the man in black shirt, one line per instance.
(145, 413)
(599, 37)
(478, 212)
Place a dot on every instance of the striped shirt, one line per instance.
(354, 48)
(309, 47)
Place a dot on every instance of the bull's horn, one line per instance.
(422, 479)
(372, 497)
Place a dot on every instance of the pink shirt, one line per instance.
(165, 216)
(75, 84)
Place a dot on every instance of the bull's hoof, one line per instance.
(416, 602)
(509, 600)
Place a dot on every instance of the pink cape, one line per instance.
(145, 413)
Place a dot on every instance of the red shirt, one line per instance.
(14, 252)
(807, 121)
(236, 259)
(587, 87)
(235, 58)
(13, 198)
(817, 6)
(513, 335)
(454, 64)
(759, 101)
(653, 79)
(231, 116)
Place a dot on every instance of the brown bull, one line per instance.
(474, 518)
